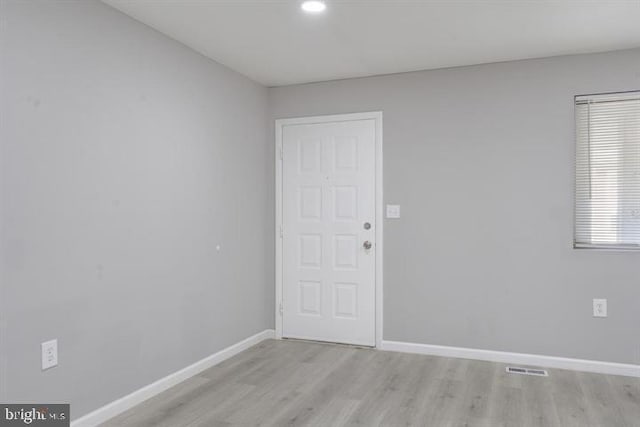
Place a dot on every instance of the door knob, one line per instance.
(367, 245)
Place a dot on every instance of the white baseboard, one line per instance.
(116, 407)
(515, 358)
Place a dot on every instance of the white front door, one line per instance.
(328, 218)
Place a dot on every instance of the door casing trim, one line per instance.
(280, 124)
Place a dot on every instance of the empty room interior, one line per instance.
(320, 213)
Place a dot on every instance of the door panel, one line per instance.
(328, 196)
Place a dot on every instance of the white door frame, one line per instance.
(280, 124)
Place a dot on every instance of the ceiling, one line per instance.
(274, 43)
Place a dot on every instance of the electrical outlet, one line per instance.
(599, 307)
(49, 354)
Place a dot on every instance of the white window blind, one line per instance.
(607, 199)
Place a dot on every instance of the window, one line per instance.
(607, 199)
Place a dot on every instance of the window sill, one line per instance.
(606, 248)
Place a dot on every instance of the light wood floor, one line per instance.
(279, 383)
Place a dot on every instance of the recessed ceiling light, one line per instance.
(313, 6)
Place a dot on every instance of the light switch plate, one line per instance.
(49, 354)
(393, 211)
(599, 307)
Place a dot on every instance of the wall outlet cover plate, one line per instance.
(49, 354)
(599, 307)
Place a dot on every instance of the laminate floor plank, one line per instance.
(299, 383)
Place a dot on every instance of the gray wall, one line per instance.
(125, 159)
(481, 160)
